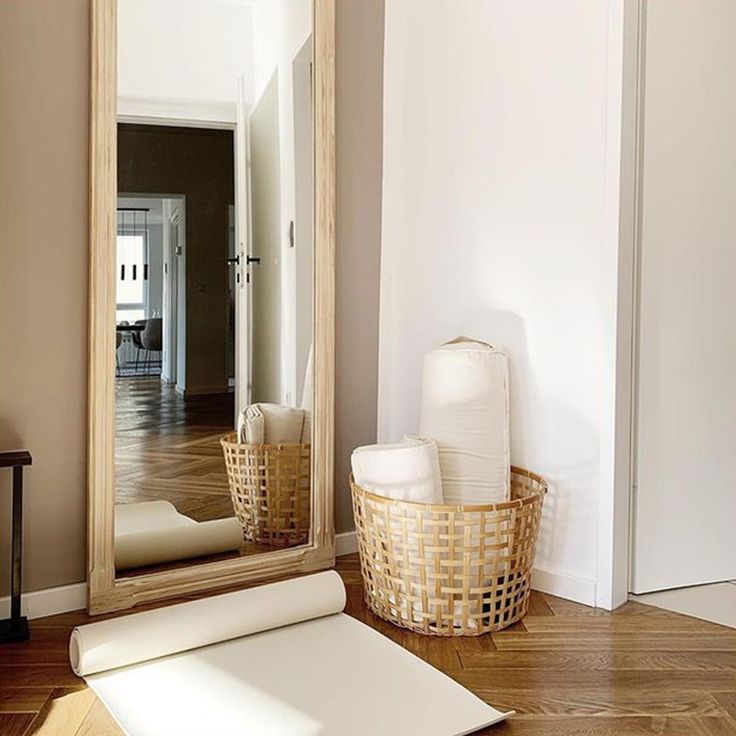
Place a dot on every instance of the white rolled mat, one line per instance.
(465, 408)
(278, 660)
(154, 532)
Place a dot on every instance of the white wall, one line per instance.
(155, 269)
(186, 51)
(499, 121)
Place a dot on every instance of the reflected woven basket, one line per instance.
(270, 490)
(449, 570)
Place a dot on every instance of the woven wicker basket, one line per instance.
(449, 570)
(270, 490)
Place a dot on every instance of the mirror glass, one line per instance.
(214, 281)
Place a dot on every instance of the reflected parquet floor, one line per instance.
(167, 447)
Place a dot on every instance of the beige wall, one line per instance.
(43, 278)
(359, 166)
(43, 264)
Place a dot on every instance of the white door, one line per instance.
(242, 241)
(684, 526)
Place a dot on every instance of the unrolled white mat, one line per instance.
(278, 660)
(154, 532)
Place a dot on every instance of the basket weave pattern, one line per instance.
(449, 570)
(270, 490)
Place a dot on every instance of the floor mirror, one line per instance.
(211, 295)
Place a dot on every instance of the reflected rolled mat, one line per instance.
(154, 532)
(276, 660)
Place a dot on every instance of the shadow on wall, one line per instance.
(547, 435)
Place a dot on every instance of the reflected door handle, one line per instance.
(249, 260)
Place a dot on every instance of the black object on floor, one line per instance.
(15, 628)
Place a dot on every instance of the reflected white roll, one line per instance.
(154, 532)
(140, 637)
(270, 424)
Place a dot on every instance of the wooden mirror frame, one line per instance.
(105, 592)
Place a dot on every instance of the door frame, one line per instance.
(175, 219)
(243, 240)
(166, 222)
(235, 127)
(623, 208)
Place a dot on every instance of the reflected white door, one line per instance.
(242, 241)
(685, 481)
(303, 227)
(265, 277)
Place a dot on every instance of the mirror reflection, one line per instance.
(213, 280)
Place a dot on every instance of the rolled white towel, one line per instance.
(270, 424)
(406, 471)
(465, 408)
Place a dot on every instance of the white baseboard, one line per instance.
(346, 544)
(580, 590)
(48, 602)
(73, 597)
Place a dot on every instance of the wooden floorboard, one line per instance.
(15, 724)
(568, 671)
(63, 713)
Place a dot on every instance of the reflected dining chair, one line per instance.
(118, 343)
(151, 338)
(135, 338)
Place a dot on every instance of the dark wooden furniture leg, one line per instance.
(15, 628)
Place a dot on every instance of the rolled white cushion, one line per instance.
(406, 471)
(465, 408)
(270, 424)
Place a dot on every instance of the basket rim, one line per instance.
(231, 440)
(461, 508)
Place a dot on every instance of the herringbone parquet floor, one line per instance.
(566, 669)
